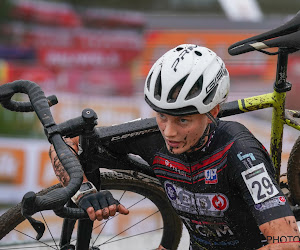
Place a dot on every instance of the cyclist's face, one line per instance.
(181, 133)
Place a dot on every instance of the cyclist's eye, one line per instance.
(182, 120)
(161, 116)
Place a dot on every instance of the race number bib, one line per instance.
(259, 183)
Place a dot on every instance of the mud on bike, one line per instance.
(132, 173)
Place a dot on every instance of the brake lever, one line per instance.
(28, 209)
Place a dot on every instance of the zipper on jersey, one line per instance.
(188, 163)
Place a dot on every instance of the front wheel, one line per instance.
(152, 220)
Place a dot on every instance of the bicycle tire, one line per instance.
(116, 181)
(293, 172)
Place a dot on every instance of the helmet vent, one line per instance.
(179, 48)
(196, 89)
(174, 92)
(157, 89)
(198, 53)
(148, 81)
(208, 99)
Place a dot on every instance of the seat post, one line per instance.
(281, 85)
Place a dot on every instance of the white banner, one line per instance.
(242, 10)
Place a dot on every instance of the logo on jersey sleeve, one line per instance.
(247, 159)
(273, 202)
(259, 183)
(211, 204)
(211, 176)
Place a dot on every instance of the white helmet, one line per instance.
(188, 79)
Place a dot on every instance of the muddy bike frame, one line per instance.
(275, 100)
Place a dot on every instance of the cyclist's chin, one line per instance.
(176, 150)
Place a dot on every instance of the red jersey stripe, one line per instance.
(161, 176)
(212, 159)
(162, 161)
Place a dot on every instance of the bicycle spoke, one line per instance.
(123, 194)
(46, 245)
(112, 239)
(106, 221)
(128, 228)
(49, 229)
(15, 248)
(100, 231)
(131, 236)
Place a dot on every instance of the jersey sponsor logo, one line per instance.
(211, 176)
(220, 202)
(171, 192)
(174, 168)
(215, 243)
(210, 204)
(259, 183)
(246, 159)
(242, 157)
(273, 202)
(212, 231)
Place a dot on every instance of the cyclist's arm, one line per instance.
(276, 221)
(146, 146)
(59, 170)
(281, 233)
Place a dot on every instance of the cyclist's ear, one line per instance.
(215, 111)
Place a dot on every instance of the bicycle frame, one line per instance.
(276, 101)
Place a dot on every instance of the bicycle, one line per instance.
(132, 172)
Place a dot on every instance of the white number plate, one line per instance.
(259, 183)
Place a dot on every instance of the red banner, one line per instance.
(118, 81)
(92, 39)
(44, 12)
(35, 73)
(85, 58)
(81, 38)
(96, 82)
(113, 18)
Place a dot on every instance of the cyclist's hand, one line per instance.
(101, 205)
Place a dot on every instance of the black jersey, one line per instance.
(223, 192)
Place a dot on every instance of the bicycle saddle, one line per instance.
(285, 36)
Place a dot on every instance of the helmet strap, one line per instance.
(212, 118)
(206, 132)
(201, 140)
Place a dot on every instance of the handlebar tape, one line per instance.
(37, 99)
(58, 197)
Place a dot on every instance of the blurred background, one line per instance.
(96, 54)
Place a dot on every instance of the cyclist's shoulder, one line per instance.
(232, 130)
(235, 134)
(240, 139)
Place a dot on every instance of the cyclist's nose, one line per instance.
(170, 129)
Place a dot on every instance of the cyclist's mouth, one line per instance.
(173, 144)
